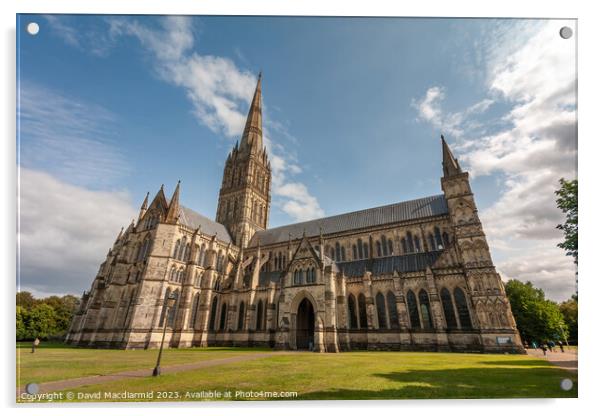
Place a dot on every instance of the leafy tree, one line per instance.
(537, 318)
(25, 300)
(43, 318)
(22, 320)
(41, 321)
(569, 309)
(567, 202)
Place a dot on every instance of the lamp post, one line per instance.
(171, 300)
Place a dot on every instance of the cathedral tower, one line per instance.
(244, 198)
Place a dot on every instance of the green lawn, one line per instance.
(352, 375)
(55, 361)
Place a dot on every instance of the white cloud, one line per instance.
(68, 136)
(534, 72)
(430, 110)
(65, 231)
(220, 93)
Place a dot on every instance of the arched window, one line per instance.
(390, 243)
(432, 242)
(392, 308)
(362, 310)
(343, 254)
(413, 309)
(181, 250)
(259, 320)
(171, 319)
(213, 316)
(201, 258)
(193, 315)
(144, 249)
(360, 250)
(383, 242)
(172, 274)
(448, 309)
(381, 311)
(366, 251)
(241, 316)
(187, 253)
(164, 309)
(445, 239)
(417, 243)
(438, 238)
(176, 250)
(462, 308)
(354, 249)
(404, 246)
(222, 317)
(351, 311)
(425, 309)
(410, 242)
(338, 252)
(379, 251)
(180, 275)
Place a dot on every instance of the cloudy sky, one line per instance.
(112, 107)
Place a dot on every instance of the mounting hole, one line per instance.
(33, 28)
(566, 384)
(566, 32)
(32, 388)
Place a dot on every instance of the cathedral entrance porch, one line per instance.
(305, 326)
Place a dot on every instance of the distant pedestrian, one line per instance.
(544, 348)
(534, 344)
(551, 346)
(34, 344)
(560, 345)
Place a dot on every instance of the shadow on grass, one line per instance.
(472, 383)
(44, 345)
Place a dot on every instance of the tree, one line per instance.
(25, 300)
(43, 318)
(567, 202)
(537, 318)
(41, 321)
(569, 309)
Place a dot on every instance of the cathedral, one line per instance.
(413, 275)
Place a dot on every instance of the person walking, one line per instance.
(544, 348)
(34, 344)
(560, 345)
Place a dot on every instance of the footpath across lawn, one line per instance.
(306, 376)
(57, 361)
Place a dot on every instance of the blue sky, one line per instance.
(112, 107)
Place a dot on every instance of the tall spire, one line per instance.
(451, 166)
(252, 135)
(174, 206)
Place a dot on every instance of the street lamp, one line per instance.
(171, 300)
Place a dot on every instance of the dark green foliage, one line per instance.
(569, 312)
(567, 202)
(537, 318)
(43, 318)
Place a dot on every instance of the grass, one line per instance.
(57, 361)
(344, 376)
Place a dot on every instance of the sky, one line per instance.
(111, 107)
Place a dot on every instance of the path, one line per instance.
(73, 383)
(567, 360)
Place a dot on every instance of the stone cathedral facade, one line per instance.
(414, 275)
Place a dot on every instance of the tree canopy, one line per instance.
(44, 318)
(567, 202)
(537, 318)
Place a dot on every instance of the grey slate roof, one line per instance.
(383, 265)
(401, 211)
(193, 219)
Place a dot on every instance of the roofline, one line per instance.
(352, 212)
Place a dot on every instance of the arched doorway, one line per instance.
(305, 325)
